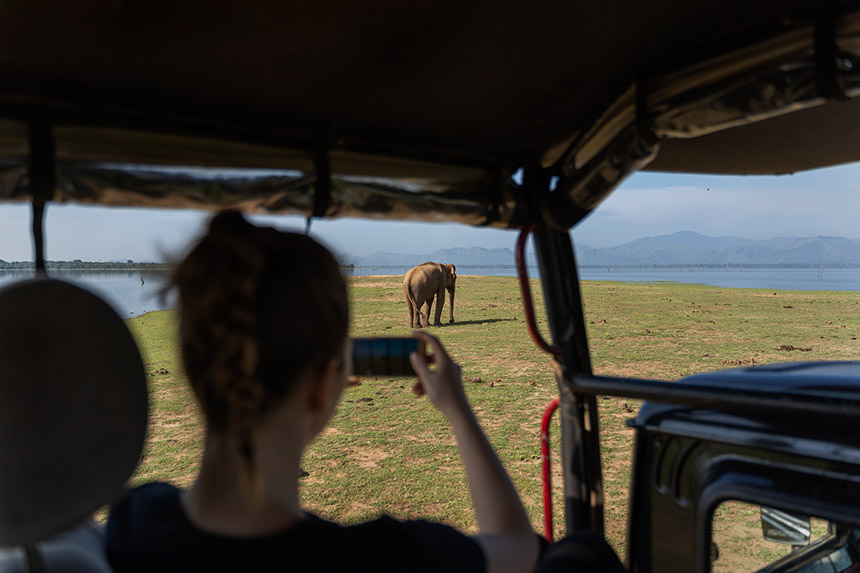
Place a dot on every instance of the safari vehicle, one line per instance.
(424, 111)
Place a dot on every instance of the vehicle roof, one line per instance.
(448, 96)
(794, 390)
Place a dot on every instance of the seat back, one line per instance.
(81, 548)
(73, 415)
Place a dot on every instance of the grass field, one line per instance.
(388, 451)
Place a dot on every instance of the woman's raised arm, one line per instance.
(505, 535)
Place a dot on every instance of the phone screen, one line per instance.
(384, 356)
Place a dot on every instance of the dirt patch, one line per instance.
(358, 509)
(386, 282)
(737, 534)
(368, 457)
(642, 368)
(374, 285)
(406, 510)
(738, 362)
(730, 561)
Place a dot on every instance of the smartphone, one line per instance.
(384, 356)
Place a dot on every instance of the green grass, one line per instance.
(738, 534)
(387, 451)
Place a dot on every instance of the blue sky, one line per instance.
(821, 202)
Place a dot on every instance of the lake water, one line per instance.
(124, 290)
(778, 279)
(130, 296)
(509, 271)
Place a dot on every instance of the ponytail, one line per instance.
(258, 308)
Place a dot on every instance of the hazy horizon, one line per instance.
(577, 244)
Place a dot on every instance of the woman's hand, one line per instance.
(443, 384)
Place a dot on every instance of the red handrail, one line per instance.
(547, 478)
(525, 289)
(528, 306)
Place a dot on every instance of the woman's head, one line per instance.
(259, 309)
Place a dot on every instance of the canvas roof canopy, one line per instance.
(416, 110)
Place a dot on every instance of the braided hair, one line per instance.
(258, 309)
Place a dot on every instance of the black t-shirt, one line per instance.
(149, 531)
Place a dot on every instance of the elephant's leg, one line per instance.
(428, 307)
(440, 302)
(411, 308)
(416, 320)
(408, 307)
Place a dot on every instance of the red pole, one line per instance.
(528, 306)
(525, 289)
(547, 479)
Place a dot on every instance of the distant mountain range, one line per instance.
(689, 248)
(681, 248)
(461, 256)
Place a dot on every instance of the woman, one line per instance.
(263, 326)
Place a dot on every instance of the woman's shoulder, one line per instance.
(153, 491)
(146, 522)
(149, 498)
(145, 508)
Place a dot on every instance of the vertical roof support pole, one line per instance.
(580, 433)
(42, 179)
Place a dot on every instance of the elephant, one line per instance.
(421, 284)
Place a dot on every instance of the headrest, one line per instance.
(73, 407)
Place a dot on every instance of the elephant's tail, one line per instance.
(410, 297)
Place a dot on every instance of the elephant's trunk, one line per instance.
(451, 308)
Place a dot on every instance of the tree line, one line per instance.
(78, 264)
